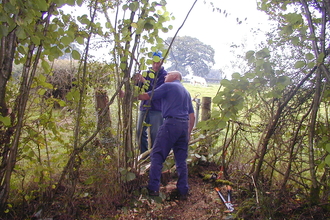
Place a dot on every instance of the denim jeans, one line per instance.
(153, 120)
(173, 134)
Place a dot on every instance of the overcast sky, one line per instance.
(213, 28)
(217, 30)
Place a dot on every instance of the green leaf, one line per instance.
(89, 181)
(80, 40)
(309, 56)
(108, 25)
(264, 53)
(75, 55)
(3, 31)
(320, 59)
(130, 176)
(327, 160)
(294, 18)
(225, 82)
(22, 49)
(327, 147)
(134, 6)
(41, 5)
(310, 65)
(134, 25)
(299, 64)
(66, 40)
(250, 75)
(236, 76)
(45, 65)
(61, 103)
(151, 75)
(125, 7)
(156, 59)
(20, 33)
(5, 121)
(122, 65)
(79, 2)
(36, 180)
(295, 40)
(35, 40)
(165, 30)
(148, 26)
(249, 54)
(72, 95)
(41, 91)
(286, 30)
(71, 2)
(267, 67)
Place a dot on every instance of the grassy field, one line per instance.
(201, 91)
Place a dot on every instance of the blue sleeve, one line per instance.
(159, 92)
(190, 106)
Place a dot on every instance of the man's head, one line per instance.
(156, 65)
(173, 75)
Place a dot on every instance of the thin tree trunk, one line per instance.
(271, 128)
(292, 154)
(103, 120)
(315, 189)
(27, 79)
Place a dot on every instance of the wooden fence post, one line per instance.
(198, 103)
(206, 108)
(206, 114)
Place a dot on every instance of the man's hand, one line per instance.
(138, 78)
(121, 93)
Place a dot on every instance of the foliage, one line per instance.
(189, 54)
(269, 121)
(32, 132)
(274, 110)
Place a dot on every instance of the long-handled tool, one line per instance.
(227, 202)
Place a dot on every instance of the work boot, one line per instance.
(153, 193)
(183, 197)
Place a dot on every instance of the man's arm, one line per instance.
(191, 122)
(144, 96)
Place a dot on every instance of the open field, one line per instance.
(202, 91)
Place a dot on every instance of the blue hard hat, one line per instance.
(158, 54)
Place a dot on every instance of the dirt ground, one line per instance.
(203, 203)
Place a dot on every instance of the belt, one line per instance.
(182, 119)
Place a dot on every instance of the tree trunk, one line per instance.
(272, 125)
(104, 120)
(28, 74)
(7, 50)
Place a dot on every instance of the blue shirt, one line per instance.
(153, 105)
(176, 100)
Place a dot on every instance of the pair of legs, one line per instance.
(173, 134)
(154, 119)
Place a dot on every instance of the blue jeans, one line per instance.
(173, 134)
(151, 119)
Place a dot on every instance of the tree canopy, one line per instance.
(189, 55)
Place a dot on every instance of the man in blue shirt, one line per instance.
(150, 110)
(174, 133)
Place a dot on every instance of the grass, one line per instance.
(201, 91)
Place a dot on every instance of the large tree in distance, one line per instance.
(189, 54)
